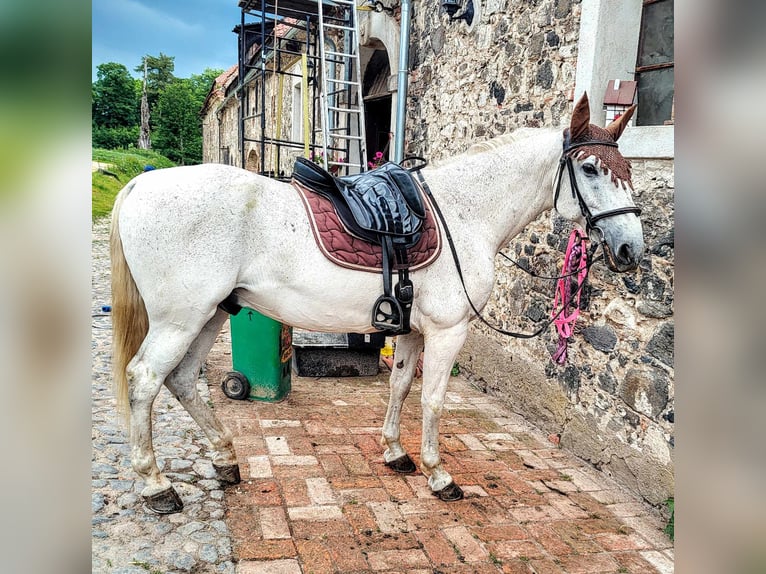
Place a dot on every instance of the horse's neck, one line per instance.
(497, 193)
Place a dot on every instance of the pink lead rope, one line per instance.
(574, 259)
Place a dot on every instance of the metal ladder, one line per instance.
(343, 133)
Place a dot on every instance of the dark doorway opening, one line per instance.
(377, 105)
(377, 115)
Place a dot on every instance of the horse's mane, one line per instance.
(501, 140)
(492, 144)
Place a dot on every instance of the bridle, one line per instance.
(566, 160)
(590, 261)
(590, 220)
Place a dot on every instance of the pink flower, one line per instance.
(379, 155)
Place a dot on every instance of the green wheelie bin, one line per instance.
(261, 352)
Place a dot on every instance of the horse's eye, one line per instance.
(589, 169)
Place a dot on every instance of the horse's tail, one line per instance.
(130, 323)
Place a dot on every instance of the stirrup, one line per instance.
(390, 320)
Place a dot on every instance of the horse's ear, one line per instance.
(578, 126)
(618, 126)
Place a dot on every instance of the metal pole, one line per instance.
(401, 91)
(241, 70)
(263, 89)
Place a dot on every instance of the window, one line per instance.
(654, 65)
(608, 49)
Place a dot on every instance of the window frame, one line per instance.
(653, 67)
(607, 50)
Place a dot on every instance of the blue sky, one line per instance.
(197, 32)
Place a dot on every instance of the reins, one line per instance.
(563, 290)
(589, 257)
(575, 261)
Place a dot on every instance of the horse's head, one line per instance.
(598, 177)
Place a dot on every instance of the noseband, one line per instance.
(566, 160)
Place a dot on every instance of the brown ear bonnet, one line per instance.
(608, 157)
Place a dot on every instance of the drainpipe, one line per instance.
(401, 91)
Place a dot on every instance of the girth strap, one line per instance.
(392, 313)
(384, 207)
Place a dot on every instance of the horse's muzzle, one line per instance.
(622, 259)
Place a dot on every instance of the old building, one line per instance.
(521, 64)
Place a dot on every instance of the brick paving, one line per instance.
(317, 498)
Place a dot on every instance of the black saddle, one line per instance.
(384, 207)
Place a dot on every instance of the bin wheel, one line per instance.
(236, 386)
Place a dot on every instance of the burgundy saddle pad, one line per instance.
(347, 250)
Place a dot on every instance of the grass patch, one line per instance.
(132, 160)
(124, 166)
(104, 189)
(670, 528)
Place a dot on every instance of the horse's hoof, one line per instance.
(228, 473)
(450, 493)
(403, 465)
(164, 502)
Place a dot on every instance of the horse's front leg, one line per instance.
(406, 357)
(441, 349)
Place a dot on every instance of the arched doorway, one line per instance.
(253, 161)
(377, 105)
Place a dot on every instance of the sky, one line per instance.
(197, 32)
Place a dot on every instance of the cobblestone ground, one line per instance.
(316, 497)
(127, 538)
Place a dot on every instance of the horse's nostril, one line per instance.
(625, 254)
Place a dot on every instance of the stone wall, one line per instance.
(513, 68)
(613, 401)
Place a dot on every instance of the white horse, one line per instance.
(184, 239)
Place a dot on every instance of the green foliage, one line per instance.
(174, 108)
(179, 126)
(123, 166)
(178, 131)
(670, 528)
(201, 83)
(115, 102)
(114, 138)
(159, 75)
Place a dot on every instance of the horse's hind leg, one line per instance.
(408, 349)
(162, 350)
(182, 382)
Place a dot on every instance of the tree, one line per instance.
(144, 138)
(177, 134)
(201, 83)
(159, 75)
(114, 101)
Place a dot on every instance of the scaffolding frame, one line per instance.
(263, 55)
